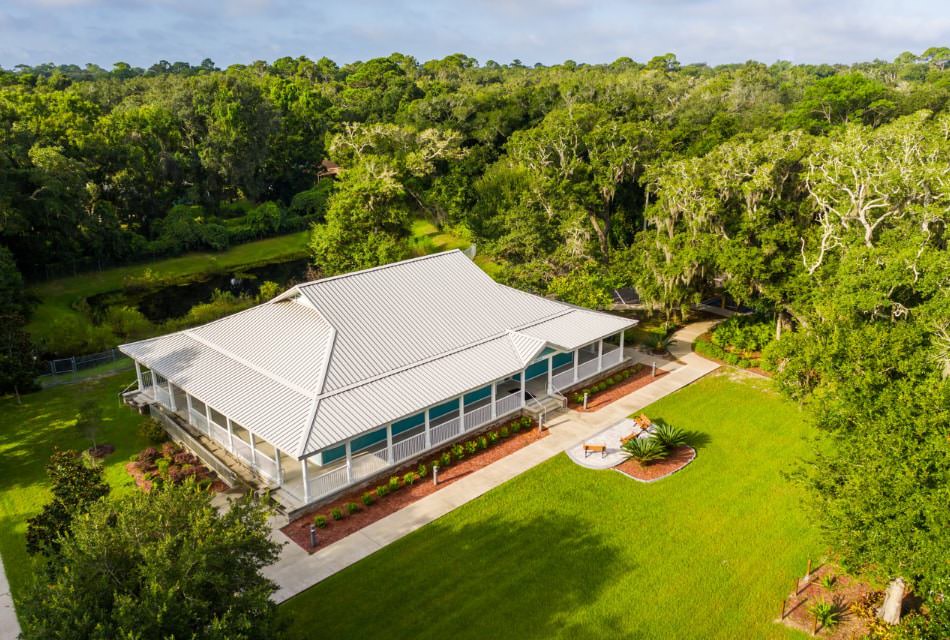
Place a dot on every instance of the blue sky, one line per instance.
(141, 32)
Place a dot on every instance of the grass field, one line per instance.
(27, 437)
(58, 298)
(427, 238)
(567, 552)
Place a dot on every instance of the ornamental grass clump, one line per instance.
(827, 614)
(669, 436)
(645, 451)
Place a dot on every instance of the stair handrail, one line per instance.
(127, 388)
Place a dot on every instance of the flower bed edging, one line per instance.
(299, 529)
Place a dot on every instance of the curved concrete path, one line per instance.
(9, 626)
(296, 570)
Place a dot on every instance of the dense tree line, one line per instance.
(817, 195)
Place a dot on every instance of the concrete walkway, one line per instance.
(296, 570)
(9, 627)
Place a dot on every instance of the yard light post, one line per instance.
(654, 368)
(585, 400)
(435, 474)
(313, 536)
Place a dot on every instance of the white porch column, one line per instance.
(550, 373)
(253, 450)
(188, 402)
(280, 470)
(306, 480)
(600, 354)
(230, 434)
(349, 463)
(171, 396)
(462, 413)
(428, 433)
(523, 379)
(494, 395)
(577, 357)
(389, 443)
(621, 344)
(138, 374)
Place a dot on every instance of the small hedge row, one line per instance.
(603, 385)
(704, 347)
(456, 453)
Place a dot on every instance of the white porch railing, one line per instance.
(242, 450)
(405, 449)
(369, 461)
(477, 417)
(586, 369)
(266, 466)
(327, 483)
(445, 431)
(563, 380)
(146, 381)
(508, 404)
(162, 396)
(612, 358)
(219, 433)
(199, 420)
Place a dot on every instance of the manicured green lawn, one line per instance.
(59, 297)
(28, 433)
(567, 552)
(428, 238)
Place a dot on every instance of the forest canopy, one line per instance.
(816, 195)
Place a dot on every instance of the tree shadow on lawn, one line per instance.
(494, 578)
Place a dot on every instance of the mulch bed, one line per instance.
(851, 595)
(679, 458)
(299, 529)
(599, 400)
(182, 464)
(100, 451)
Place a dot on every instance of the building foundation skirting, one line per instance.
(597, 377)
(374, 480)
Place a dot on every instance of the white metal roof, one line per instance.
(333, 358)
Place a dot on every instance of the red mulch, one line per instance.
(599, 400)
(679, 458)
(851, 595)
(299, 529)
(144, 473)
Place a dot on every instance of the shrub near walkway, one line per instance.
(567, 552)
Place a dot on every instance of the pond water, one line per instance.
(173, 301)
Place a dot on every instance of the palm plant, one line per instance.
(645, 451)
(669, 436)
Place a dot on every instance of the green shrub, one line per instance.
(409, 479)
(336, 513)
(393, 483)
(471, 447)
(483, 443)
(368, 498)
(205, 484)
(458, 451)
(422, 471)
(730, 358)
(503, 432)
(515, 426)
(153, 431)
(382, 491)
(127, 322)
(578, 398)
(744, 333)
(828, 581)
(445, 459)
(645, 451)
(352, 507)
(320, 521)
(744, 363)
(163, 464)
(670, 436)
(827, 613)
(493, 437)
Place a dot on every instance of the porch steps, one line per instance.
(548, 405)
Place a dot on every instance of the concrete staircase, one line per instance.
(546, 405)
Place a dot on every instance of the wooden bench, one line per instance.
(594, 448)
(626, 439)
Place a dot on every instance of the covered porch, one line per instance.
(557, 370)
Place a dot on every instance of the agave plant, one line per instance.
(670, 436)
(645, 450)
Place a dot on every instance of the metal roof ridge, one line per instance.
(381, 267)
(250, 365)
(315, 402)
